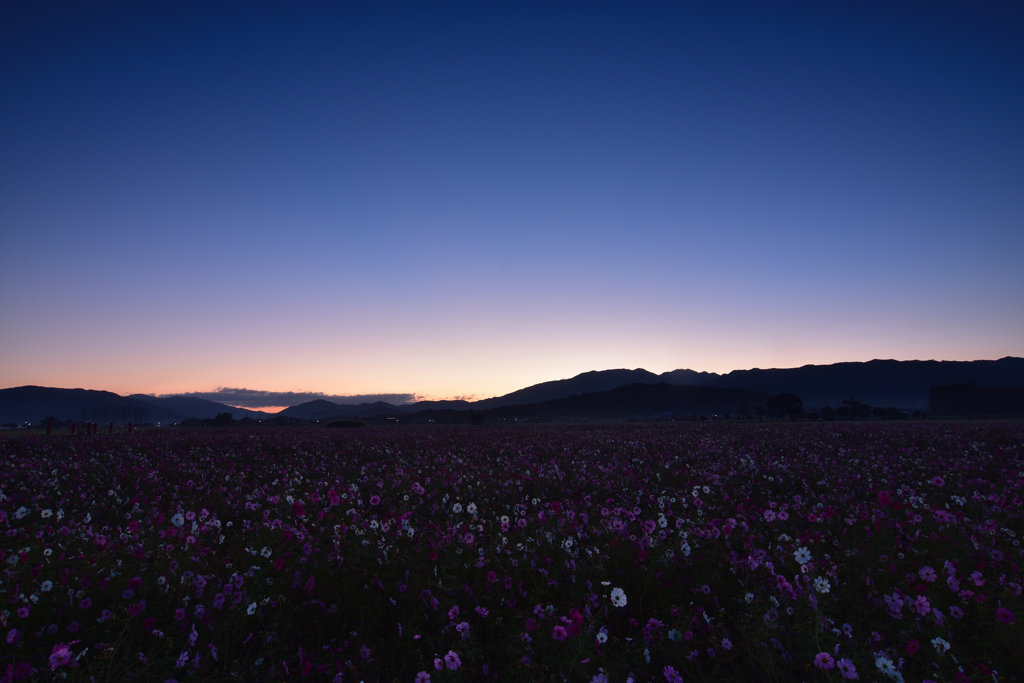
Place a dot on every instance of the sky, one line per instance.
(444, 200)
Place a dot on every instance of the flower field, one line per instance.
(775, 552)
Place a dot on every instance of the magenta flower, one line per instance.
(23, 612)
(374, 499)
(298, 509)
(452, 661)
(1005, 616)
(13, 636)
(671, 675)
(824, 661)
(310, 584)
(560, 633)
(86, 603)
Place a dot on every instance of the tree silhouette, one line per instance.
(786, 405)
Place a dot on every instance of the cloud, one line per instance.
(253, 398)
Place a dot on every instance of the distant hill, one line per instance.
(903, 384)
(321, 409)
(32, 404)
(200, 408)
(884, 383)
(641, 401)
(586, 383)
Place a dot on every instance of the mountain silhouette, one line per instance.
(638, 401)
(900, 384)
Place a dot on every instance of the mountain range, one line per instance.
(902, 384)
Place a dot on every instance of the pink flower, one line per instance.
(61, 656)
(938, 481)
(671, 675)
(298, 509)
(374, 499)
(913, 646)
(1005, 616)
(422, 677)
(846, 668)
(824, 661)
(560, 633)
(922, 605)
(13, 636)
(310, 583)
(451, 660)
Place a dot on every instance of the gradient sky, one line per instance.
(452, 199)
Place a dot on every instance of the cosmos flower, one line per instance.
(824, 661)
(846, 669)
(60, 656)
(802, 555)
(671, 675)
(618, 597)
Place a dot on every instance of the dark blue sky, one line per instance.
(462, 199)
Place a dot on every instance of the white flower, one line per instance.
(252, 608)
(802, 555)
(46, 586)
(21, 512)
(821, 585)
(885, 665)
(177, 519)
(471, 508)
(749, 597)
(618, 597)
(941, 645)
(457, 508)
(266, 552)
(602, 637)
(46, 513)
